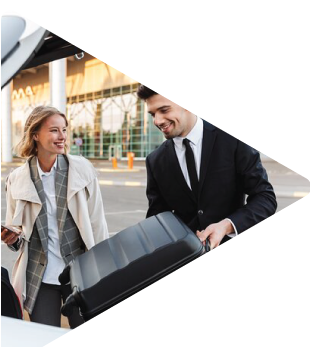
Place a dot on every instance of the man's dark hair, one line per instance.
(144, 92)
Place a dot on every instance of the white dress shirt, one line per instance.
(55, 263)
(195, 137)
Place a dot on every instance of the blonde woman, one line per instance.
(55, 201)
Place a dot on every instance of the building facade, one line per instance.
(106, 118)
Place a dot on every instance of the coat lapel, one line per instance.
(209, 136)
(41, 221)
(173, 164)
(61, 182)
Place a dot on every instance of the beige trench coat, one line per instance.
(84, 203)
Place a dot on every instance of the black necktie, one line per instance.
(191, 167)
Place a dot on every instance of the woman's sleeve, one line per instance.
(96, 212)
(10, 210)
(10, 202)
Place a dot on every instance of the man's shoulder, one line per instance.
(219, 132)
(158, 152)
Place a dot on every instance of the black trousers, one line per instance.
(48, 304)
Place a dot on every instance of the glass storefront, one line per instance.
(111, 123)
(106, 118)
(105, 124)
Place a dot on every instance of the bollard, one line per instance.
(114, 163)
(130, 156)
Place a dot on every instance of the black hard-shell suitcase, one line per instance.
(10, 305)
(129, 261)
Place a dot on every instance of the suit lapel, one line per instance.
(41, 221)
(173, 163)
(209, 136)
(61, 182)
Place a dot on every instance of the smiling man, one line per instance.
(203, 174)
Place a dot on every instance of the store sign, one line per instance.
(21, 93)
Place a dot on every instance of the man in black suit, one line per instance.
(203, 174)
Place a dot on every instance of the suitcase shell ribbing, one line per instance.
(134, 258)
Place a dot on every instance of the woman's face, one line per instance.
(52, 136)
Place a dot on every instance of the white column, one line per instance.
(57, 78)
(6, 120)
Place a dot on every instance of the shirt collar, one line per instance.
(195, 135)
(42, 173)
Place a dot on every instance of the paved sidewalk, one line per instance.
(286, 183)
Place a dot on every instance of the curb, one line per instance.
(122, 184)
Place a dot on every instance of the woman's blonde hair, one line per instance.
(27, 147)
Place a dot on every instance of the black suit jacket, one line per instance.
(229, 171)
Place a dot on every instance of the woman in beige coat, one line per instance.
(55, 201)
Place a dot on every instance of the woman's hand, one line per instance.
(10, 235)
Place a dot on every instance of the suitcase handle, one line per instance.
(207, 246)
(70, 303)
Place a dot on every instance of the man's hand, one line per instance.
(10, 235)
(215, 233)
